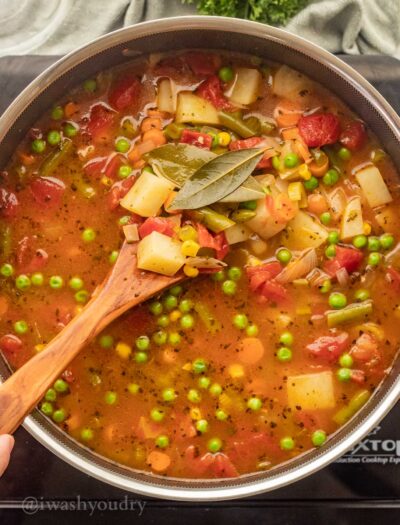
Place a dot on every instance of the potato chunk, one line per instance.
(352, 220)
(373, 186)
(147, 195)
(304, 232)
(194, 109)
(161, 254)
(311, 391)
(246, 86)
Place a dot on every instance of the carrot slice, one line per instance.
(251, 350)
(290, 133)
(284, 208)
(158, 461)
(287, 113)
(156, 136)
(150, 123)
(319, 170)
(70, 109)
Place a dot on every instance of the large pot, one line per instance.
(217, 33)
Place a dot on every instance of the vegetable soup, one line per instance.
(276, 204)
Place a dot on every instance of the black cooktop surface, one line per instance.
(361, 487)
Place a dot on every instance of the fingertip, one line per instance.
(7, 443)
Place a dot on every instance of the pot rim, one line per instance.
(365, 419)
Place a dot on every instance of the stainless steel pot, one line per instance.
(228, 34)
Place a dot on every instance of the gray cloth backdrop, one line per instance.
(58, 26)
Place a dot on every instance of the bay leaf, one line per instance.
(217, 178)
(250, 190)
(178, 162)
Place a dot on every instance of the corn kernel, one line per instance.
(175, 315)
(225, 402)
(367, 228)
(188, 233)
(187, 367)
(253, 261)
(195, 413)
(304, 172)
(106, 181)
(123, 350)
(39, 347)
(236, 371)
(78, 309)
(223, 138)
(190, 248)
(189, 271)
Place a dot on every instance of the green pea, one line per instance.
(113, 256)
(185, 306)
(57, 113)
(215, 390)
(337, 300)
(286, 339)
(56, 282)
(387, 241)
(325, 218)
(122, 145)
(110, 397)
(318, 438)
(374, 244)
(214, 445)
(106, 341)
(38, 146)
(87, 434)
(325, 286)
(360, 241)
(122, 221)
(170, 302)
(7, 270)
(284, 354)
(162, 441)
(333, 237)
(90, 85)
(53, 137)
(160, 337)
(37, 279)
(174, 338)
(148, 169)
(311, 184)
(156, 308)
(194, 396)
(88, 235)
(287, 443)
(202, 426)
(330, 251)
(221, 415)
(21, 327)
(176, 290)
(346, 361)
(51, 395)
(218, 276)
(81, 296)
(157, 414)
(133, 388)
(240, 321)
(163, 321)
(234, 273)
(331, 177)
(46, 408)
(283, 255)
(59, 415)
(276, 164)
(291, 160)
(199, 366)
(344, 154)
(187, 321)
(344, 374)
(254, 404)
(70, 129)
(22, 282)
(169, 394)
(226, 74)
(374, 258)
(141, 357)
(76, 283)
(361, 295)
(204, 382)
(142, 343)
(61, 386)
(252, 330)
(124, 171)
(248, 205)
(229, 287)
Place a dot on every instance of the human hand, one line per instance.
(6, 446)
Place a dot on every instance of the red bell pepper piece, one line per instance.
(201, 140)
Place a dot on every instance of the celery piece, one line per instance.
(352, 312)
(216, 222)
(212, 325)
(356, 402)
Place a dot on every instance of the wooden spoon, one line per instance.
(123, 288)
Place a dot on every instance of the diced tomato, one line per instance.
(329, 347)
(206, 240)
(272, 268)
(319, 129)
(221, 245)
(273, 291)
(307, 420)
(117, 191)
(349, 258)
(211, 90)
(124, 92)
(354, 135)
(68, 375)
(252, 142)
(365, 351)
(37, 262)
(248, 446)
(223, 467)
(201, 140)
(203, 64)
(156, 224)
(10, 344)
(393, 277)
(265, 162)
(100, 122)
(357, 376)
(47, 190)
(217, 242)
(196, 463)
(94, 167)
(184, 427)
(8, 204)
(112, 166)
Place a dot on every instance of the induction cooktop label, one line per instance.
(374, 449)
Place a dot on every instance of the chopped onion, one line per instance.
(204, 262)
(317, 276)
(342, 277)
(131, 233)
(337, 201)
(298, 268)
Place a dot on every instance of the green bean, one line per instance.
(215, 221)
(57, 156)
(353, 312)
(235, 123)
(355, 403)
